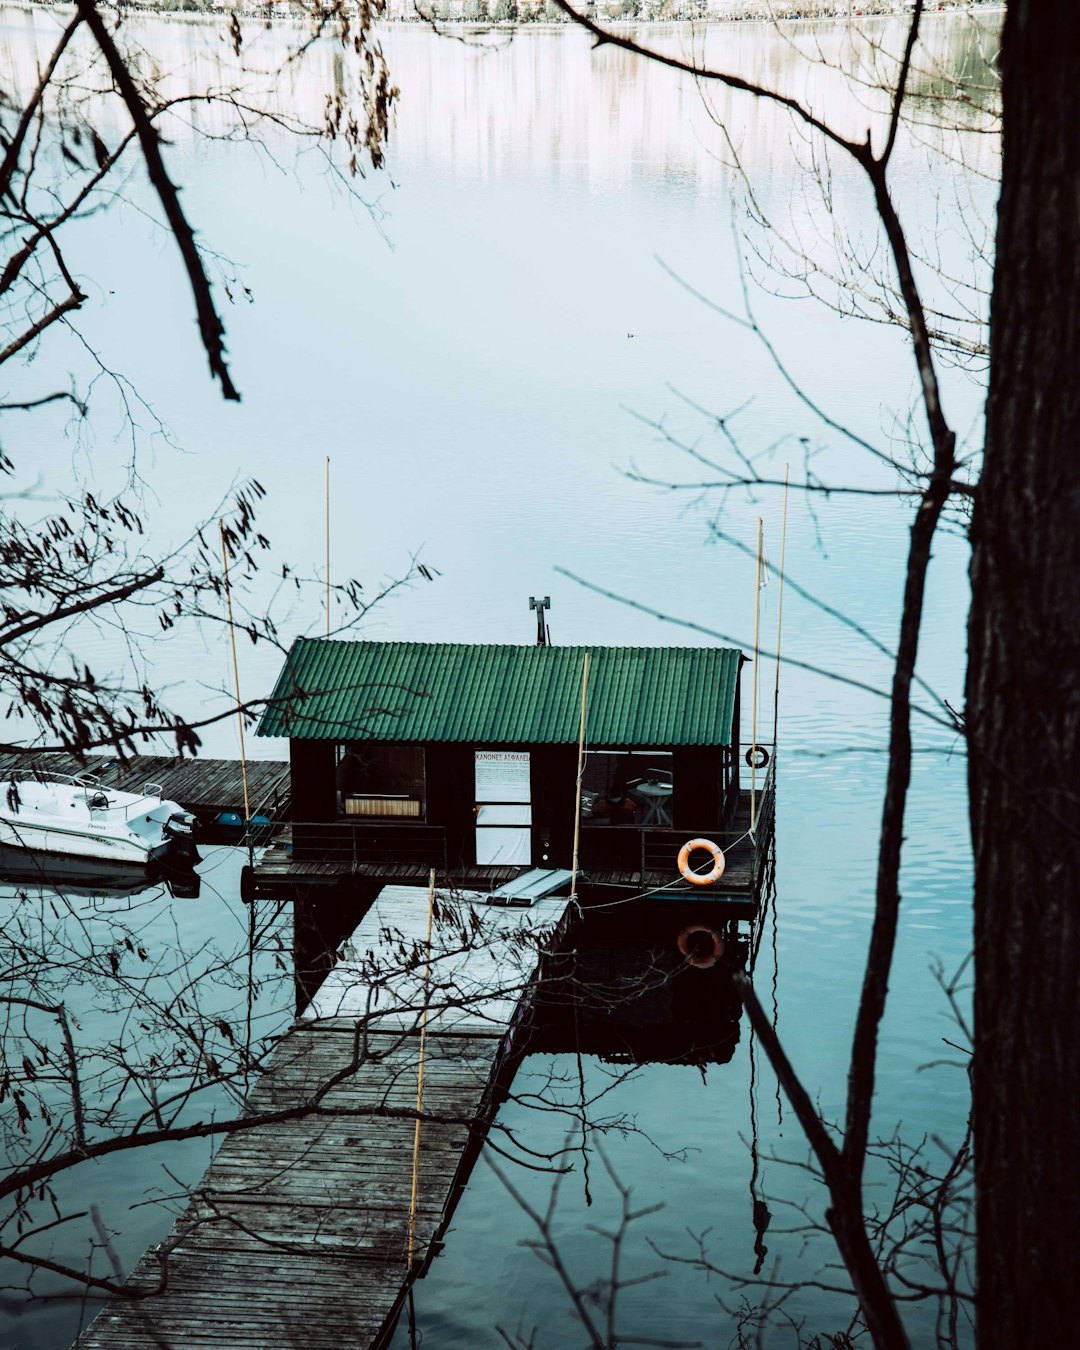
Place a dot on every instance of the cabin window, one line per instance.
(381, 782)
(628, 787)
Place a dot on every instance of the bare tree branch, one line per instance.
(211, 329)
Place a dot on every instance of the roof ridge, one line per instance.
(521, 646)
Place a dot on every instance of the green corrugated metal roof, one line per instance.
(501, 695)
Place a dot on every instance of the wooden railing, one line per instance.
(652, 849)
(364, 841)
(660, 848)
(766, 819)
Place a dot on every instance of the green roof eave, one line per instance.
(419, 692)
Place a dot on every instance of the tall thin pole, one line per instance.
(753, 718)
(580, 772)
(327, 545)
(236, 675)
(780, 614)
(420, 1076)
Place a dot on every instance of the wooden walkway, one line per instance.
(298, 1233)
(204, 786)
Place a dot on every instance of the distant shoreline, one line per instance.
(485, 14)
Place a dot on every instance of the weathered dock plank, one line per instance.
(204, 786)
(299, 1231)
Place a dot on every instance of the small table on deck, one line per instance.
(657, 799)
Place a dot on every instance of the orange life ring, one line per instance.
(701, 878)
(695, 951)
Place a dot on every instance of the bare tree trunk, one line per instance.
(1024, 706)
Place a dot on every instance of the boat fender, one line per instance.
(702, 946)
(701, 878)
(757, 757)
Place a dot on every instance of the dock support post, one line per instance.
(236, 684)
(780, 616)
(420, 1076)
(327, 545)
(580, 773)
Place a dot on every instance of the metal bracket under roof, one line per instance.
(530, 886)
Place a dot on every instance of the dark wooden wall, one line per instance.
(735, 748)
(698, 783)
(451, 793)
(698, 803)
(554, 792)
(314, 789)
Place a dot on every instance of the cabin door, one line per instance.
(503, 808)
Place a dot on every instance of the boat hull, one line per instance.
(58, 842)
(81, 818)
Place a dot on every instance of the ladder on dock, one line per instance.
(298, 1233)
(535, 884)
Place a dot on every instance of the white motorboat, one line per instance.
(80, 818)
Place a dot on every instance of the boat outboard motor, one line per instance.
(180, 827)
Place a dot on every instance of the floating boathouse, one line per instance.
(496, 767)
(408, 755)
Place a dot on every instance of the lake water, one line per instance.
(477, 362)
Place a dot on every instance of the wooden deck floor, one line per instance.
(277, 873)
(297, 1234)
(204, 786)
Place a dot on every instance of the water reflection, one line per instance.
(170, 1001)
(649, 982)
(533, 105)
(536, 181)
(656, 989)
(489, 356)
(22, 869)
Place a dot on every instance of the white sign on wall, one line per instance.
(502, 776)
(503, 833)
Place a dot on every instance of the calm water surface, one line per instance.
(477, 363)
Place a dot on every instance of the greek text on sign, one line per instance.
(502, 776)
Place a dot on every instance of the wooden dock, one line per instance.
(206, 787)
(298, 1233)
(279, 874)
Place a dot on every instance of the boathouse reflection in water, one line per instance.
(628, 995)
